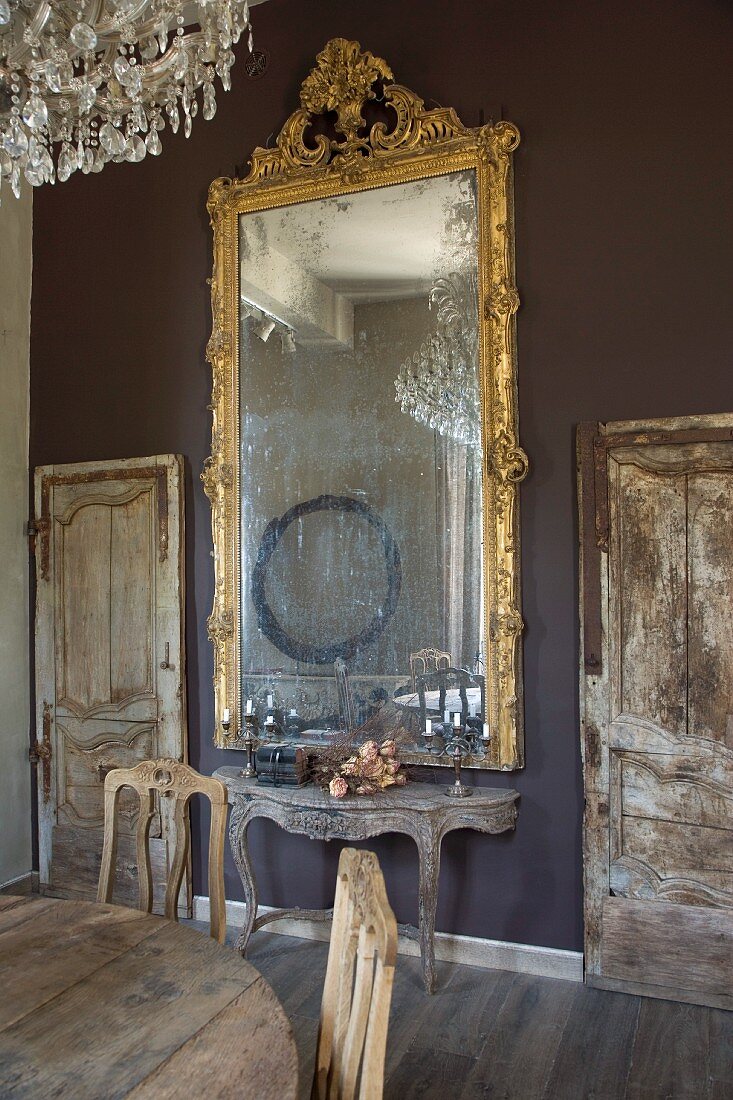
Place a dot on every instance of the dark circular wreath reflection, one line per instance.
(347, 647)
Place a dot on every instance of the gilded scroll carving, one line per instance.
(410, 142)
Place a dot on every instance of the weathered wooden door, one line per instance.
(656, 506)
(110, 687)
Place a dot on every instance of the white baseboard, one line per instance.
(545, 962)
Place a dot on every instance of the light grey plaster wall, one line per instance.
(15, 291)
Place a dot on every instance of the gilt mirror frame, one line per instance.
(303, 167)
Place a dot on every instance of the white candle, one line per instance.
(270, 720)
(428, 727)
(457, 721)
(269, 701)
(446, 716)
(225, 718)
(472, 710)
(486, 733)
(293, 712)
(249, 706)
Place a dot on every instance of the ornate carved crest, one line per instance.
(344, 80)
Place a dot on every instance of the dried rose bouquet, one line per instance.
(369, 770)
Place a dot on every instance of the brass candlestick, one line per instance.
(458, 789)
(251, 727)
(229, 737)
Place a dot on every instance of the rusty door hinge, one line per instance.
(592, 748)
(35, 529)
(41, 752)
(31, 530)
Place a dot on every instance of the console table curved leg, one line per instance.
(429, 852)
(240, 819)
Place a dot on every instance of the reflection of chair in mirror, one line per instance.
(447, 689)
(426, 661)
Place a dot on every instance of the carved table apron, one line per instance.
(421, 810)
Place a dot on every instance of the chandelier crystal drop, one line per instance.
(83, 83)
(438, 384)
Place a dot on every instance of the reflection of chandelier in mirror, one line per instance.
(438, 384)
(95, 78)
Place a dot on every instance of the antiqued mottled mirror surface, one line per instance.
(361, 520)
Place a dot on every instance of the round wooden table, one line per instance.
(101, 1001)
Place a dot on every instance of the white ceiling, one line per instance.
(375, 245)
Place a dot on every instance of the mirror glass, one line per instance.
(361, 456)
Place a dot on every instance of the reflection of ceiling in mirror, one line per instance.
(310, 263)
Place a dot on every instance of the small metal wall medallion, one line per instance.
(257, 64)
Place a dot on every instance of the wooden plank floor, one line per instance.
(493, 1034)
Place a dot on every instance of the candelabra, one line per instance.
(251, 726)
(466, 735)
(459, 748)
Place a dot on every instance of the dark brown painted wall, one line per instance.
(624, 240)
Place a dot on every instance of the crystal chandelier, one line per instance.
(438, 384)
(84, 82)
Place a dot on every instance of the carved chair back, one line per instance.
(425, 661)
(170, 779)
(358, 986)
(442, 681)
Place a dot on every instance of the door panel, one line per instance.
(648, 594)
(710, 578)
(656, 706)
(654, 785)
(105, 576)
(110, 658)
(132, 595)
(85, 752)
(83, 629)
(676, 940)
(76, 867)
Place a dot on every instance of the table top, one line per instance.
(413, 796)
(101, 1001)
(432, 699)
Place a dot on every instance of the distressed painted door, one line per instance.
(110, 675)
(656, 504)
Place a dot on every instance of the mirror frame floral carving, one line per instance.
(422, 143)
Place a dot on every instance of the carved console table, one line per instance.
(421, 810)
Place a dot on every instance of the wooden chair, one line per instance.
(425, 661)
(171, 780)
(358, 986)
(442, 681)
